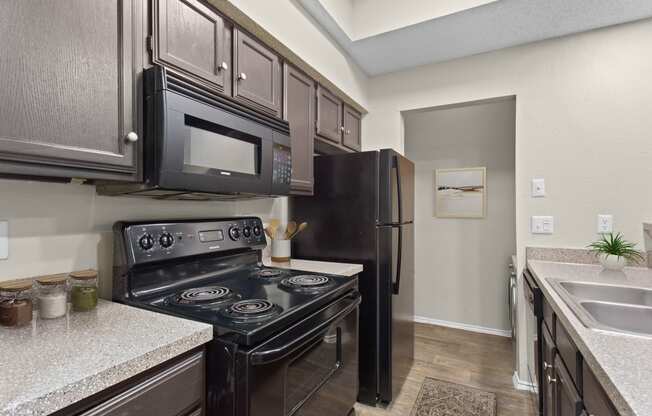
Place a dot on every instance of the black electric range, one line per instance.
(297, 329)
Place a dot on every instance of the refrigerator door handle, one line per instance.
(399, 256)
(399, 195)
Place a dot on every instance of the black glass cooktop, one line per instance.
(249, 301)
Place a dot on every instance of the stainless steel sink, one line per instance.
(608, 307)
(609, 293)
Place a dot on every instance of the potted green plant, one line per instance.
(614, 251)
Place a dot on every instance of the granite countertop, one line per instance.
(621, 362)
(326, 267)
(51, 364)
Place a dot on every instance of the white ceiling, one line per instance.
(381, 36)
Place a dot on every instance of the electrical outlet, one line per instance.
(538, 188)
(605, 223)
(4, 240)
(542, 224)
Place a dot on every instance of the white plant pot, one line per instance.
(612, 262)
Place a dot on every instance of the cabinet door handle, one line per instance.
(223, 66)
(551, 380)
(242, 76)
(347, 132)
(131, 137)
(342, 129)
(546, 366)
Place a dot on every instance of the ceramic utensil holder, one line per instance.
(281, 251)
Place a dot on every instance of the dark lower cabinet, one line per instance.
(69, 96)
(176, 389)
(566, 397)
(568, 386)
(299, 111)
(548, 352)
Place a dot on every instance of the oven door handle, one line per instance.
(277, 353)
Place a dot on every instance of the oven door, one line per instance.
(203, 148)
(310, 369)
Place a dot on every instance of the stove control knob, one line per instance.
(257, 230)
(146, 242)
(234, 233)
(246, 231)
(166, 240)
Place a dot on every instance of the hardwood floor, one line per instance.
(475, 360)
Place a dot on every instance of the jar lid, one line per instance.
(84, 274)
(54, 279)
(16, 285)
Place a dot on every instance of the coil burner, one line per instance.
(201, 296)
(251, 309)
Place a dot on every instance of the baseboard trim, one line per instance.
(522, 385)
(457, 325)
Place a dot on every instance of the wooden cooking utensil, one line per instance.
(269, 234)
(291, 228)
(273, 228)
(302, 227)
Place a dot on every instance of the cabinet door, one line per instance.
(68, 96)
(191, 38)
(547, 355)
(329, 116)
(352, 131)
(175, 391)
(567, 399)
(258, 74)
(299, 111)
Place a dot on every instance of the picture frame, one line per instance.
(461, 192)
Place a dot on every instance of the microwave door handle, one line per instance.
(396, 285)
(312, 337)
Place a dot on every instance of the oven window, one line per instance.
(209, 146)
(311, 368)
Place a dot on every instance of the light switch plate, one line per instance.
(4, 240)
(605, 223)
(538, 187)
(542, 224)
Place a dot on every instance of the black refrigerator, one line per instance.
(362, 211)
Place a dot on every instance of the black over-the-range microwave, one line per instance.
(199, 145)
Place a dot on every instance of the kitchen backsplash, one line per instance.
(56, 228)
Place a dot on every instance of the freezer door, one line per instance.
(396, 182)
(396, 307)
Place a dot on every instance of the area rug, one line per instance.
(440, 398)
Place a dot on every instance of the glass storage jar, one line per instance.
(52, 296)
(83, 290)
(16, 303)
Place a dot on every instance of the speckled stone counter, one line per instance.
(326, 267)
(622, 363)
(52, 364)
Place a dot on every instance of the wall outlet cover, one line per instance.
(605, 223)
(542, 224)
(538, 187)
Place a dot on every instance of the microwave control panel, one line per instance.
(281, 167)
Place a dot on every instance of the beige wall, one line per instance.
(461, 264)
(582, 122)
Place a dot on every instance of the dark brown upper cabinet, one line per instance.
(69, 106)
(257, 73)
(194, 40)
(329, 116)
(351, 135)
(299, 111)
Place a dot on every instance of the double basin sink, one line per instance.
(608, 307)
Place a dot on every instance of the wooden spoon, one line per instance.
(302, 227)
(272, 228)
(291, 228)
(269, 234)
